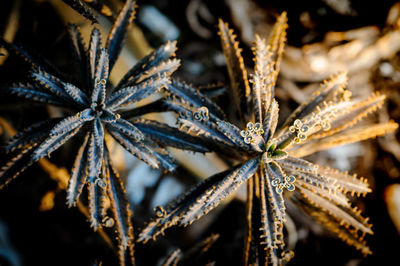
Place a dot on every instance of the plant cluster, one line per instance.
(265, 152)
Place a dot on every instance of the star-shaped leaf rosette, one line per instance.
(97, 109)
(270, 157)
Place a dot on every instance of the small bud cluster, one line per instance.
(288, 183)
(108, 221)
(301, 130)
(160, 211)
(250, 130)
(201, 114)
(101, 183)
(102, 81)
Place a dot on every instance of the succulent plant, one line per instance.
(93, 106)
(267, 157)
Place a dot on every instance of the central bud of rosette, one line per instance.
(254, 135)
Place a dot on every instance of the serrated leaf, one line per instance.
(347, 118)
(276, 41)
(350, 237)
(54, 142)
(345, 181)
(77, 95)
(299, 165)
(82, 9)
(17, 164)
(342, 138)
(263, 79)
(95, 46)
(153, 107)
(200, 200)
(119, 206)
(137, 149)
(130, 95)
(206, 130)
(118, 32)
(97, 210)
(148, 62)
(79, 173)
(240, 88)
(169, 136)
(323, 94)
(31, 135)
(71, 122)
(344, 215)
(95, 150)
(189, 95)
(52, 84)
(272, 170)
(165, 68)
(127, 256)
(272, 210)
(125, 128)
(31, 93)
(271, 120)
(100, 78)
(233, 133)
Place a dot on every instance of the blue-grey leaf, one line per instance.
(97, 203)
(82, 9)
(100, 78)
(273, 171)
(79, 172)
(95, 150)
(119, 30)
(119, 206)
(108, 116)
(148, 62)
(71, 122)
(52, 84)
(76, 94)
(169, 136)
(201, 200)
(95, 45)
(31, 135)
(233, 133)
(31, 93)
(130, 95)
(54, 142)
(16, 164)
(125, 128)
(165, 161)
(138, 149)
(189, 95)
(206, 130)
